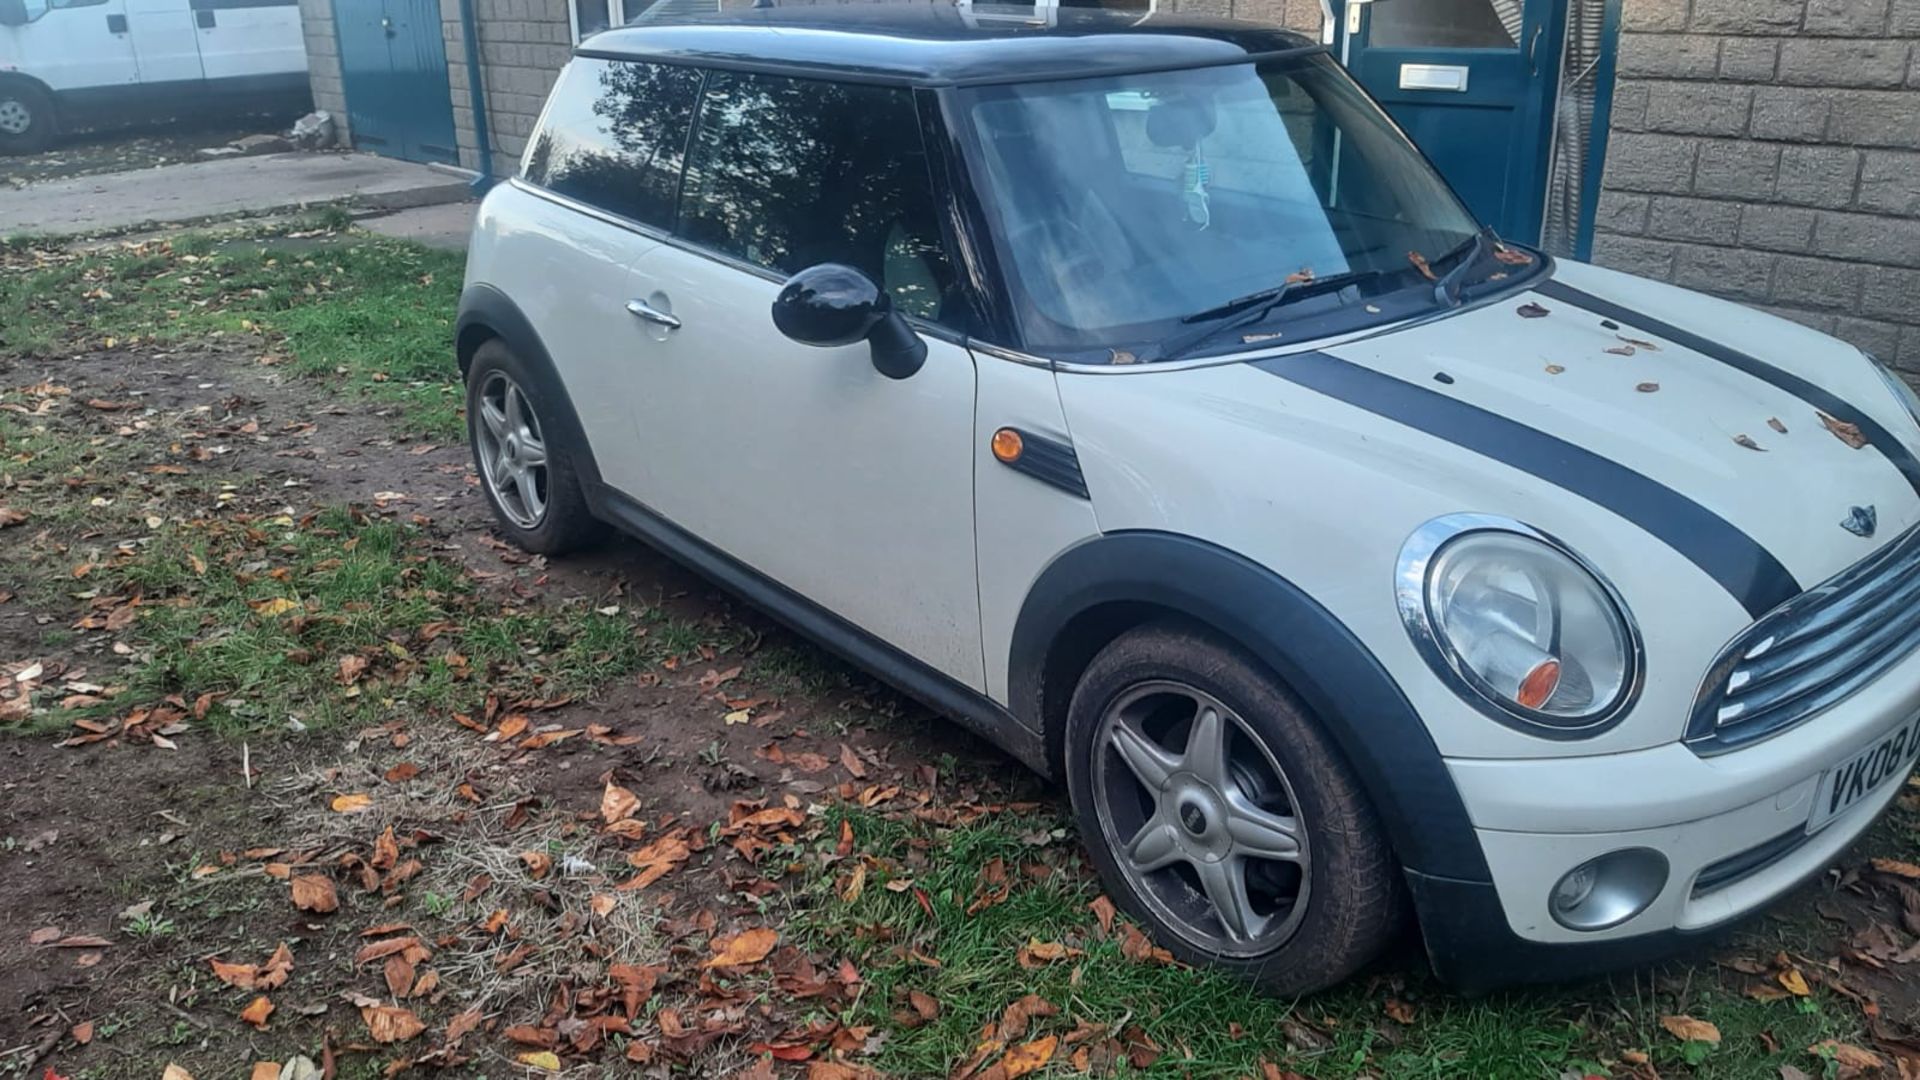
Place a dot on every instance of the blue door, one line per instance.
(1473, 82)
(393, 63)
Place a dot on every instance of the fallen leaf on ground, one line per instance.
(82, 1032)
(541, 1059)
(175, 1072)
(1104, 911)
(9, 516)
(257, 1011)
(279, 605)
(1399, 1011)
(313, 892)
(1795, 982)
(267, 976)
(351, 804)
(617, 803)
(1897, 868)
(1029, 1057)
(1687, 1029)
(265, 1070)
(389, 1024)
(1015, 1018)
(746, 947)
(1848, 1055)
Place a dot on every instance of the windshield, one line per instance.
(1136, 209)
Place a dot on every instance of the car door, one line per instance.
(600, 176)
(1472, 82)
(75, 45)
(806, 464)
(242, 39)
(164, 41)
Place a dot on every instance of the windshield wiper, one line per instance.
(1251, 308)
(1447, 289)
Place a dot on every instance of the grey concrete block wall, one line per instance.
(323, 64)
(1768, 151)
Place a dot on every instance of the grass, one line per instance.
(372, 316)
(1208, 1025)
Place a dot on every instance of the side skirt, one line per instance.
(936, 689)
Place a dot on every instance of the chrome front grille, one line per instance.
(1812, 651)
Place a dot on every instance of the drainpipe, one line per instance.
(483, 140)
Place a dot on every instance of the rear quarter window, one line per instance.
(613, 137)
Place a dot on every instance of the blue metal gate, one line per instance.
(393, 63)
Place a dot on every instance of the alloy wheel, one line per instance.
(1201, 819)
(512, 451)
(15, 117)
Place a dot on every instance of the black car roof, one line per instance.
(941, 43)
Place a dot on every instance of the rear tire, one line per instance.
(1222, 818)
(26, 117)
(527, 464)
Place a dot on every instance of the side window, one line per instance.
(614, 137)
(787, 173)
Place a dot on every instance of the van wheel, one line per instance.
(1223, 818)
(26, 118)
(522, 453)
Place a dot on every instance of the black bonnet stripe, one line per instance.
(1878, 437)
(1729, 556)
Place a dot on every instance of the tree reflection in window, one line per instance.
(789, 173)
(614, 137)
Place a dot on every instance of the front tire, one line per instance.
(1221, 816)
(527, 465)
(26, 118)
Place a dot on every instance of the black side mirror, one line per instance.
(13, 13)
(831, 304)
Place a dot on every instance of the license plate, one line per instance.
(1848, 783)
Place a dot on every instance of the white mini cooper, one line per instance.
(1135, 392)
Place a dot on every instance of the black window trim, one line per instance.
(961, 221)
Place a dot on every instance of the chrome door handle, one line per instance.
(643, 310)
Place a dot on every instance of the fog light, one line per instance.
(1607, 891)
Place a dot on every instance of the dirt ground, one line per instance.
(556, 881)
(120, 148)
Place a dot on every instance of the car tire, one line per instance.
(534, 486)
(1213, 826)
(26, 117)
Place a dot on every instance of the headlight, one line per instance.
(1519, 625)
(1900, 387)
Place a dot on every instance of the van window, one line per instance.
(614, 136)
(788, 173)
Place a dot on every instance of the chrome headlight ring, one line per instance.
(1414, 585)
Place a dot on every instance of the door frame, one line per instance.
(410, 145)
(1336, 36)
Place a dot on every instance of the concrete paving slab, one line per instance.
(445, 226)
(205, 189)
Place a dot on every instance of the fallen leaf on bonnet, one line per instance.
(389, 1024)
(257, 1011)
(617, 803)
(351, 804)
(1533, 311)
(313, 892)
(1774, 423)
(1897, 868)
(1748, 442)
(1845, 432)
(1687, 1029)
(746, 947)
(1648, 387)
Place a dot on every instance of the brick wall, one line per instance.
(1768, 151)
(323, 63)
(523, 46)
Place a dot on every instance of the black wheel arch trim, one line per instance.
(485, 313)
(1303, 644)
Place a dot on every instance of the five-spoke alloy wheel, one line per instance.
(526, 454)
(1222, 816)
(1203, 816)
(511, 451)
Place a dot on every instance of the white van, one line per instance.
(64, 59)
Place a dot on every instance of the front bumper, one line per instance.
(1733, 828)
